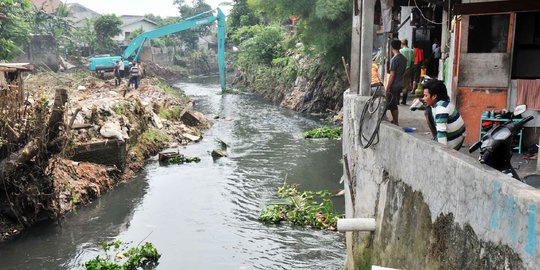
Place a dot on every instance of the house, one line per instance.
(48, 5)
(79, 13)
(131, 23)
(488, 53)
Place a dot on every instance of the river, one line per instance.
(204, 215)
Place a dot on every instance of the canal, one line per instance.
(204, 215)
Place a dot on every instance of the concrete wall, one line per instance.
(435, 208)
(161, 56)
(41, 51)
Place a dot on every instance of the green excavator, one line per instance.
(106, 63)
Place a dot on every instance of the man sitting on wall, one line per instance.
(448, 122)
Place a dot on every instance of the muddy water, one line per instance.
(203, 215)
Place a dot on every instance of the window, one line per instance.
(488, 33)
(526, 46)
(126, 35)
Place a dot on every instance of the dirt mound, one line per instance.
(155, 70)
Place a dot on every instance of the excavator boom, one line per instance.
(134, 49)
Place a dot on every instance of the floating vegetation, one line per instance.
(176, 158)
(323, 132)
(119, 257)
(181, 159)
(308, 208)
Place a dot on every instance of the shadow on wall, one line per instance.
(41, 52)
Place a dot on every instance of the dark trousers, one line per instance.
(134, 80)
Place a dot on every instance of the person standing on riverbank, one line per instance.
(407, 77)
(398, 63)
(117, 76)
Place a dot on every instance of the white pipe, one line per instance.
(356, 224)
(374, 267)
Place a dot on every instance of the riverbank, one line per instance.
(129, 124)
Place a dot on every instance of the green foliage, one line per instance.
(15, 27)
(308, 208)
(323, 132)
(154, 138)
(241, 15)
(136, 33)
(56, 24)
(106, 27)
(190, 37)
(172, 113)
(83, 39)
(133, 258)
(181, 159)
(324, 26)
(263, 45)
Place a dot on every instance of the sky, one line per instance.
(163, 8)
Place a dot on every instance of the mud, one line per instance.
(146, 120)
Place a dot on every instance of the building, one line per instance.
(131, 23)
(48, 5)
(79, 13)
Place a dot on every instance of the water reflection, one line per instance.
(203, 215)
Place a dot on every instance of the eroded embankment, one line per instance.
(40, 179)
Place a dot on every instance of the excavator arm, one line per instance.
(135, 47)
(104, 63)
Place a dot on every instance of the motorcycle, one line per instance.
(496, 145)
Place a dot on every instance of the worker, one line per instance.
(117, 75)
(407, 77)
(398, 63)
(134, 75)
(122, 68)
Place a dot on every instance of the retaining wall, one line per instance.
(435, 208)
(41, 51)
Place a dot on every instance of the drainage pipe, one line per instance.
(356, 224)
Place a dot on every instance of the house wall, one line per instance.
(435, 208)
(406, 30)
(161, 56)
(41, 51)
(482, 81)
(146, 26)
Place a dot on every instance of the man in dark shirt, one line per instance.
(398, 64)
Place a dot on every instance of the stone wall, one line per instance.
(41, 51)
(435, 208)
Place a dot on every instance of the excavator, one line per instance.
(105, 63)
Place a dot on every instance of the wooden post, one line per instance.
(57, 115)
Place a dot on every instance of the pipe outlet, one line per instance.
(356, 224)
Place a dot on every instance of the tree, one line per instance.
(241, 15)
(83, 40)
(324, 25)
(15, 28)
(191, 37)
(56, 24)
(106, 27)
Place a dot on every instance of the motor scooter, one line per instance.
(496, 146)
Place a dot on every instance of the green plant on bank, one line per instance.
(150, 142)
(116, 259)
(323, 132)
(172, 113)
(182, 159)
(308, 208)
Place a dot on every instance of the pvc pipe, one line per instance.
(375, 267)
(356, 224)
